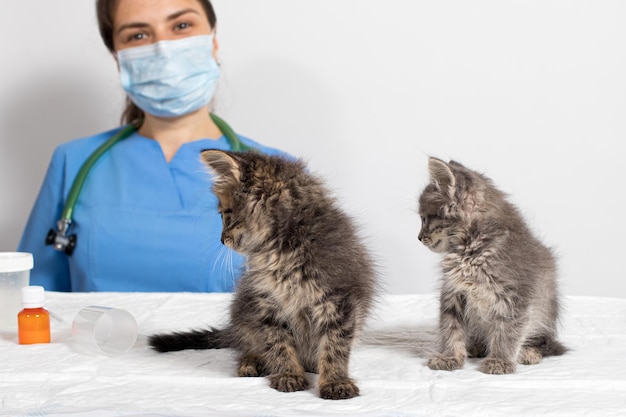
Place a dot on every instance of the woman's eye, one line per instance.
(182, 26)
(136, 37)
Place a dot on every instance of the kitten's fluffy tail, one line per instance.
(548, 346)
(194, 339)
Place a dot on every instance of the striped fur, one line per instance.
(308, 284)
(499, 297)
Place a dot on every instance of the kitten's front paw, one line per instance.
(529, 356)
(495, 366)
(250, 366)
(288, 382)
(339, 390)
(445, 363)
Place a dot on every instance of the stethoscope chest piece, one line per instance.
(59, 238)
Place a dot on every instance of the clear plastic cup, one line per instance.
(111, 331)
(14, 274)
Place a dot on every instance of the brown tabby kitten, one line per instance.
(308, 283)
(499, 292)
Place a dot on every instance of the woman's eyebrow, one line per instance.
(181, 12)
(139, 25)
(132, 25)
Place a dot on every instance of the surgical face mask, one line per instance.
(170, 78)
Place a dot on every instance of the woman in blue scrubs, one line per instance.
(146, 219)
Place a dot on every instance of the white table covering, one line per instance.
(389, 366)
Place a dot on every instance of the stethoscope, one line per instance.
(59, 238)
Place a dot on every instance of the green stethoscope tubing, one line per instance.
(59, 238)
(79, 181)
(228, 132)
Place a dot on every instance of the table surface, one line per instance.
(57, 379)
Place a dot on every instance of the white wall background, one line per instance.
(533, 93)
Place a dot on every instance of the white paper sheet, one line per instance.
(389, 366)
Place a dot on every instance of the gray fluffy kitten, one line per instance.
(499, 295)
(308, 284)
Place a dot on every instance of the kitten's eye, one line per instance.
(227, 211)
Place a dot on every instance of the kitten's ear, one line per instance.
(222, 164)
(441, 176)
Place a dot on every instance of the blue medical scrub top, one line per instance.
(142, 224)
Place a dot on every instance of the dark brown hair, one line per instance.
(105, 12)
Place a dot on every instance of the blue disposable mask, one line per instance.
(170, 78)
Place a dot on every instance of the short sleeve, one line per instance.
(51, 268)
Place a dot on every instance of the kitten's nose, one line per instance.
(420, 236)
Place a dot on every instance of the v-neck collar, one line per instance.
(198, 144)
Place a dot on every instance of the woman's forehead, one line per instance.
(152, 11)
